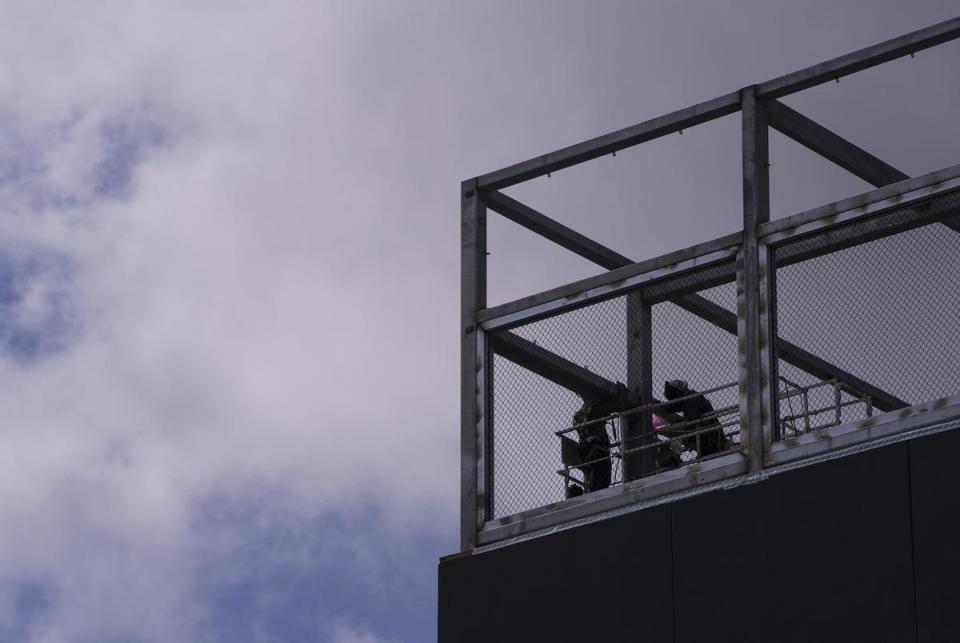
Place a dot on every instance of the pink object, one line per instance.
(659, 422)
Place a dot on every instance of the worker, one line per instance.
(594, 448)
(697, 412)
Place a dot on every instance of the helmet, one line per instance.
(675, 388)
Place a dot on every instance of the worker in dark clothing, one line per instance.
(594, 448)
(691, 407)
(591, 454)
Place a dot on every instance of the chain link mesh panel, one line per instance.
(530, 409)
(878, 299)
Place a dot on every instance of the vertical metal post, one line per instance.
(769, 371)
(838, 401)
(638, 429)
(757, 386)
(474, 368)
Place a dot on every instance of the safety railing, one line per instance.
(811, 416)
(593, 451)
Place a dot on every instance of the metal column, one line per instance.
(638, 428)
(754, 287)
(474, 368)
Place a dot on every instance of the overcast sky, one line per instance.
(229, 255)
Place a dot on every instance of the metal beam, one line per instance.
(863, 205)
(612, 142)
(557, 232)
(943, 210)
(861, 59)
(562, 371)
(814, 136)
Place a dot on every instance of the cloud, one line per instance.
(348, 633)
(187, 323)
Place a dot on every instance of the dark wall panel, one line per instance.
(936, 523)
(816, 554)
(862, 548)
(610, 581)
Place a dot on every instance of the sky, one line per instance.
(229, 255)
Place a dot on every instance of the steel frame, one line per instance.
(746, 257)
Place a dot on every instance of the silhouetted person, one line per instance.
(693, 407)
(594, 443)
(594, 448)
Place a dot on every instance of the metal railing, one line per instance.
(840, 399)
(678, 443)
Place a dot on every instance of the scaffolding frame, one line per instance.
(746, 257)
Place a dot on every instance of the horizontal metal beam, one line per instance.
(944, 209)
(792, 354)
(612, 142)
(690, 283)
(861, 206)
(609, 284)
(572, 376)
(814, 136)
(861, 59)
(649, 489)
(560, 234)
(721, 106)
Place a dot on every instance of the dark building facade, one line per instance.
(858, 548)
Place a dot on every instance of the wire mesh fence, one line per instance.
(550, 442)
(879, 300)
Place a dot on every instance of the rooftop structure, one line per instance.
(793, 342)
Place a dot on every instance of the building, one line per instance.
(796, 486)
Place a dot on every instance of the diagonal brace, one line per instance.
(834, 148)
(560, 234)
(572, 376)
(818, 138)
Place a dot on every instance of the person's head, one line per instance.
(584, 412)
(675, 388)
